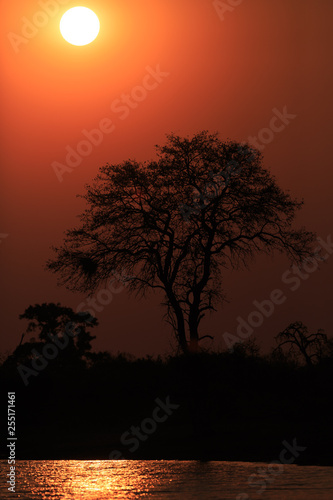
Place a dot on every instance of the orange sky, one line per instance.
(223, 75)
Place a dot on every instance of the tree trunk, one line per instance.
(194, 327)
(194, 335)
(194, 345)
(181, 333)
(308, 360)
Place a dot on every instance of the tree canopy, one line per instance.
(300, 343)
(176, 222)
(54, 320)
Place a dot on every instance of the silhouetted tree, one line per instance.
(300, 343)
(51, 320)
(176, 222)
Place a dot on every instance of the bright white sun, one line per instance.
(79, 26)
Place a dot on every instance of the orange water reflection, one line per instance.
(163, 480)
(95, 479)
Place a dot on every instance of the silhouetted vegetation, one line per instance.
(300, 343)
(175, 223)
(54, 333)
(232, 406)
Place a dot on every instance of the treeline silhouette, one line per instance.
(238, 405)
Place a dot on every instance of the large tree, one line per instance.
(174, 223)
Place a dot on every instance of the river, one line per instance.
(165, 480)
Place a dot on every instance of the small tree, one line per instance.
(49, 320)
(301, 344)
(175, 223)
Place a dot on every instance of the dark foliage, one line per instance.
(238, 406)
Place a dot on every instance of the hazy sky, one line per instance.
(160, 66)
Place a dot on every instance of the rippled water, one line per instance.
(124, 479)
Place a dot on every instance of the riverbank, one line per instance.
(211, 407)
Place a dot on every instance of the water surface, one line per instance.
(166, 480)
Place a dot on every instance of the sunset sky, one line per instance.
(160, 66)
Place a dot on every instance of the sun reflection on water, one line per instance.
(94, 479)
(160, 480)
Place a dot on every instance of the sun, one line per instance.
(79, 26)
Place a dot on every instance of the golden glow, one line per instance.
(96, 479)
(79, 26)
